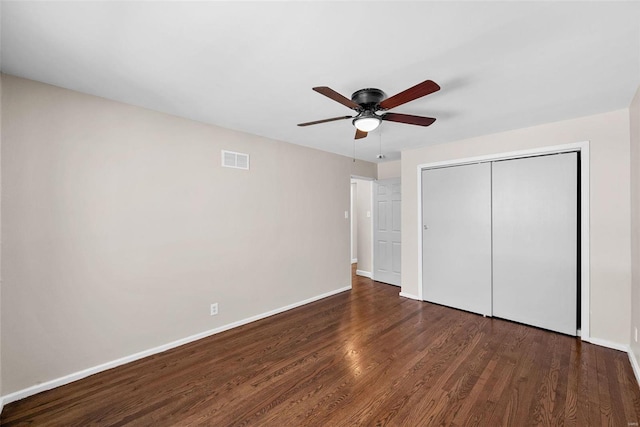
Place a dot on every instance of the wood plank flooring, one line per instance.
(362, 357)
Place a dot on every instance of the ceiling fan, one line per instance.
(367, 102)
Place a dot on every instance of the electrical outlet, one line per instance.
(214, 308)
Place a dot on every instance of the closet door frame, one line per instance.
(580, 147)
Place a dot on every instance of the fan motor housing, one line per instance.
(368, 98)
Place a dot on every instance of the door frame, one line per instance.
(583, 149)
(351, 222)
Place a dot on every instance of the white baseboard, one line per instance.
(48, 385)
(605, 343)
(411, 296)
(634, 365)
(354, 260)
(1, 405)
(364, 274)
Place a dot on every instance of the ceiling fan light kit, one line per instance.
(366, 102)
(367, 121)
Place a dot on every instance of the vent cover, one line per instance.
(231, 159)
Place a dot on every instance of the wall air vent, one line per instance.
(231, 159)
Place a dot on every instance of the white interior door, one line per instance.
(535, 241)
(456, 237)
(386, 231)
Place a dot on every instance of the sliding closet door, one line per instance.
(456, 237)
(535, 241)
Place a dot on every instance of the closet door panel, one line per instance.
(535, 231)
(456, 237)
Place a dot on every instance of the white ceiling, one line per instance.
(250, 66)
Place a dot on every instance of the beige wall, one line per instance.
(120, 227)
(388, 170)
(634, 119)
(364, 224)
(609, 206)
(364, 169)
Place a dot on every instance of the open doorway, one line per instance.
(361, 226)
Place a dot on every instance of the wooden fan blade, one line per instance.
(325, 121)
(415, 92)
(360, 134)
(408, 119)
(330, 93)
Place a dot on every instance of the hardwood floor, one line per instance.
(362, 357)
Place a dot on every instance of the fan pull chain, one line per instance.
(380, 155)
(354, 151)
